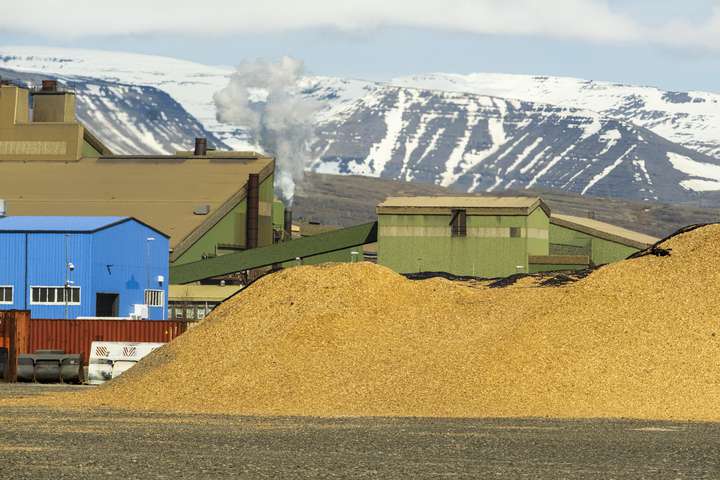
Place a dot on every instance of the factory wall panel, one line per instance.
(539, 268)
(539, 223)
(413, 243)
(565, 241)
(47, 255)
(231, 229)
(126, 263)
(12, 268)
(605, 251)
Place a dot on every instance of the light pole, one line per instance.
(69, 267)
(147, 270)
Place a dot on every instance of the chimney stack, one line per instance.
(49, 86)
(287, 224)
(253, 209)
(200, 147)
(50, 105)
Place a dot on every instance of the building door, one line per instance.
(107, 304)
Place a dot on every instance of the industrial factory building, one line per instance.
(493, 237)
(70, 267)
(209, 202)
(599, 241)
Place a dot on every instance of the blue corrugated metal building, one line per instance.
(70, 267)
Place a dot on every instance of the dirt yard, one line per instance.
(38, 443)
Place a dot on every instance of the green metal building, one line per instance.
(493, 237)
(478, 236)
(600, 242)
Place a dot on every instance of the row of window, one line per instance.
(69, 296)
(458, 225)
(190, 310)
(54, 295)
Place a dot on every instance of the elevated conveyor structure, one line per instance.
(328, 242)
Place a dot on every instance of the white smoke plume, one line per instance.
(263, 96)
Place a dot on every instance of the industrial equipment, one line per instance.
(49, 366)
(109, 360)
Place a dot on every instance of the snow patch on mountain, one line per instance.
(707, 175)
(691, 119)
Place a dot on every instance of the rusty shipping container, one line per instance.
(75, 336)
(14, 332)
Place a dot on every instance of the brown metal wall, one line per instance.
(4, 331)
(15, 325)
(75, 336)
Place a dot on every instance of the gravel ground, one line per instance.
(37, 443)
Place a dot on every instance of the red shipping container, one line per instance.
(75, 336)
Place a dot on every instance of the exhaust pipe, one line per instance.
(287, 224)
(49, 86)
(253, 208)
(200, 147)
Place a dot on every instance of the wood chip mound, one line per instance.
(636, 339)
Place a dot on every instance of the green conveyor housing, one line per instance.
(278, 253)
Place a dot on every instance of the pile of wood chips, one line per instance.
(639, 338)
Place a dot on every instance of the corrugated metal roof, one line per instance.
(460, 202)
(162, 191)
(57, 224)
(604, 230)
(475, 205)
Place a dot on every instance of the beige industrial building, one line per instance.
(209, 202)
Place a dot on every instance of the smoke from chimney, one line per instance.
(263, 96)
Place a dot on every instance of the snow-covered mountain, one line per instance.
(691, 119)
(192, 85)
(478, 143)
(128, 118)
(481, 132)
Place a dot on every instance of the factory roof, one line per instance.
(166, 191)
(59, 224)
(198, 293)
(479, 205)
(603, 230)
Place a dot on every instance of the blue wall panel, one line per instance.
(46, 268)
(126, 262)
(119, 259)
(12, 267)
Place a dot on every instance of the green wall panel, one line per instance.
(231, 229)
(413, 243)
(566, 241)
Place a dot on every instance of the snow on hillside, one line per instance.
(691, 119)
(190, 84)
(480, 132)
(477, 143)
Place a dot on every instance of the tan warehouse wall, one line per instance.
(56, 136)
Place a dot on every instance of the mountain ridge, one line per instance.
(641, 143)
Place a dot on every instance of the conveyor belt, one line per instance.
(278, 253)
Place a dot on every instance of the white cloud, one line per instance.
(563, 18)
(591, 20)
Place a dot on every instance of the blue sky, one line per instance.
(674, 45)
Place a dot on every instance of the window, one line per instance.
(154, 298)
(458, 223)
(515, 232)
(6, 294)
(54, 295)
